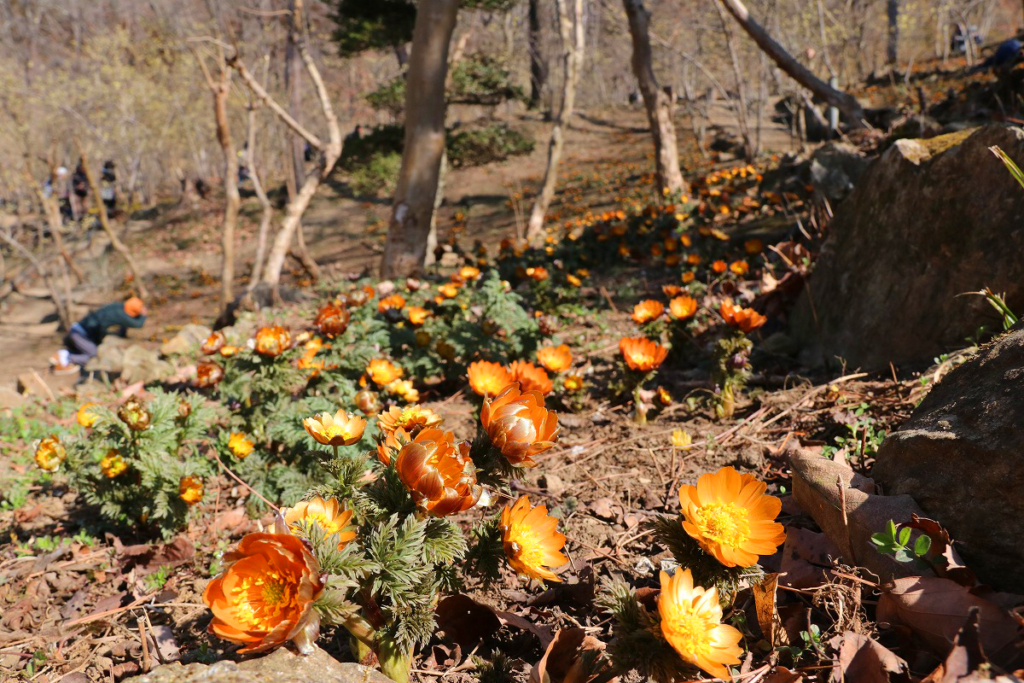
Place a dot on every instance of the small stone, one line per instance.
(554, 484)
(280, 666)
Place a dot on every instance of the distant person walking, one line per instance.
(108, 190)
(85, 336)
(80, 190)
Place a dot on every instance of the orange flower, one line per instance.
(672, 260)
(488, 379)
(411, 418)
(417, 315)
(642, 355)
(240, 446)
(573, 280)
(731, 517)
(671, 291)
(573, 383)
(393, 442)
(691, 622)
(530, 377)
(538, 274)
(519, 425)
(753, 246)
(396, 301)
(112, 464)
(340, 429)
(719, 266)
(438, 473)
(555, 359)
(190, 490)
(693, 259)
(688, 277)
(208, 374)
(531, 540)
(264, 597)
(85, 415)
(682, 307)
(467, 273)
(273, 341)
(646, 311)
(332, 320)
(326, 514)
(404, 389)
(50, 453)
(743, 319)
(449, 290)
(227, 350)
(739, 267)
(213, 343)
(383, 372)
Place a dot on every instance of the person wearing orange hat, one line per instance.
(84, 337)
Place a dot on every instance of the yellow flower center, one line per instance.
(408, 416)
(261, 601)
(526, 545)
(329, 526)
(688, 631)
(724, 523)
(336, 429)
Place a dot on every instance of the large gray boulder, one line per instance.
(961, 457)
(928, 221)
(280, 666)
(186, 341)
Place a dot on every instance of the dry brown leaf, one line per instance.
(783, 675)
(806, 558)
(767, 611)
(564, 659)
(936, 609)
(864, 660)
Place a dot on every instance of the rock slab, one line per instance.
(280, 666)
(961, 456)
(928, 221)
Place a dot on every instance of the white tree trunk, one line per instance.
(570, 28)
(657, 102)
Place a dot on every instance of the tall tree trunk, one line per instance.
(115, 241)
(261, 194)
(232, 199)
(892, 47)
(570, 29)
(845, 102)
(656, 101)
(51, 209)
(538, 69)
(293, 86)
(409, 228)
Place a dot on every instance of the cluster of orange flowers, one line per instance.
(729, 515)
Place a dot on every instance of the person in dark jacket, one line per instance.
(85, 336)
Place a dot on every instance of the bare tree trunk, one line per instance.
(261, 194)
(51, 209)
(845, 102)
(328, 156)
(293, 86)
(63, 308)
(409, 228)
(740, 104)
(115, 241)
(538, 69)
(570, 28)
(232, 199)
(892, 47)
(656, 101)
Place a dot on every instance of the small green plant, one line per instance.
(378, 176)
(158, 579)
(478, 146)
(896, 543)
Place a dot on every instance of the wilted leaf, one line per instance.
(570, 658)
(806, 557)
(783, 675)
(937, 608)
(767, 613)
(465, 620)
(865, 660)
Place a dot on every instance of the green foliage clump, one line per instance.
(377, 177)
(389, 96)
(482, 79)
(361, 25)
(135, 476)
(479, 146)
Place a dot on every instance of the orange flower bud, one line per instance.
(519, 425)
(439, 473)
(273, 341)
(213, 343)
(332, 320)
(208, 374)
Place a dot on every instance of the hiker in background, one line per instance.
(108, 190)
(83, 340)
(958, 42)
(80, 190)
(59, 186)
